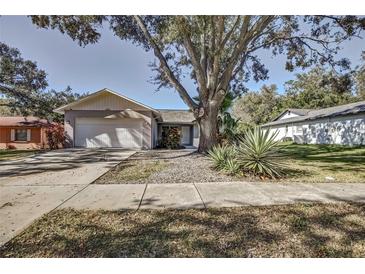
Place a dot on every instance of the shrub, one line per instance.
(171, 138)
(258, 153)
(219, 154)
(55, 136)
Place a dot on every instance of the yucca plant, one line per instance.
(219, 154)
(231, 166)
(258, 153)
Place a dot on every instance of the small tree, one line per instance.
(171, 138)
(55, 136)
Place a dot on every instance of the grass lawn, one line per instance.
(313, 163)
(301, 230)
(11, 154)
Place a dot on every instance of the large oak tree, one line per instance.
(219, 53)
(25, 86)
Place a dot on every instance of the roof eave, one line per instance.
(61, 110)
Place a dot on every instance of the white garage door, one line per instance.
(103, 132)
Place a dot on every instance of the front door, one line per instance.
(185, 135)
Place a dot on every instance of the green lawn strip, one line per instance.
(300, 230)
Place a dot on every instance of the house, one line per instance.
(344, 125)
(23, 132)
(108, 119)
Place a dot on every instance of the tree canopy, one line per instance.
(24, 86)
(317, 88)
(360, 78)
(258, 107)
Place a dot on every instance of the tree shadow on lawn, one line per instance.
(277, 231)
(302, 151)
(326, 157)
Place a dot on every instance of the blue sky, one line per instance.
(116, 64)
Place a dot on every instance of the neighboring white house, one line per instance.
(344, 125)
(108, 119)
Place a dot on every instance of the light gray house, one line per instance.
(344, 125)
(108, 119)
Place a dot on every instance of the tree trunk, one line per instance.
(208, 129)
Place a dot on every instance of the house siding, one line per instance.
(106, 101)
(37, 141)
(342, 130)
(154, 132)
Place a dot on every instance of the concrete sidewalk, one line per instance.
(203, 195)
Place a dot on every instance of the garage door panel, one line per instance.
(100, 132)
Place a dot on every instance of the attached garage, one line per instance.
(108, 119)
(91, 132)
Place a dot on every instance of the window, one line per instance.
(21, 135)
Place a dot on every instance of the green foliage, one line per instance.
(228, 128)
(231, 166)
(227, 124)
(258, 107)
(360, 79)
(5, 110)
(317, 88)
(258, 153)
(171, 138)
(220, 154)
(24, 86)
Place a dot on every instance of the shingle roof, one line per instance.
(342, 110)
(18, 121)
(176, 116)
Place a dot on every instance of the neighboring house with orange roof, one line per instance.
(23, 132)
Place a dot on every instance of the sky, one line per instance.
(119, 65)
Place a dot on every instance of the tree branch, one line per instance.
(200, 75)
(245, 37)
(170, 76)
(229, 34)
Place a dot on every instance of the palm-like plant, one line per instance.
(219, 154)
(258, 153)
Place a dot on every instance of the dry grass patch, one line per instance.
(132, 171)
(14, 154)
(301, 230)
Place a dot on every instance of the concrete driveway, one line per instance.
(35, 185)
